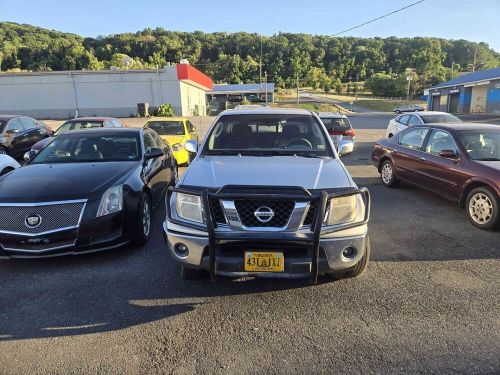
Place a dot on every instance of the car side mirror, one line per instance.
(29, 155)
(192, 146)
(449, 154)
(153, 153)
(11, 131)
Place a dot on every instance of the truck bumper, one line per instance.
(229, 258)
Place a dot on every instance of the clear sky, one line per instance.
(477, 20)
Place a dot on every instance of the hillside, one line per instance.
(319, 60)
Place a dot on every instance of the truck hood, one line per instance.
(309, 173)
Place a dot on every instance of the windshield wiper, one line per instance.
(488, 159)
(307, 155)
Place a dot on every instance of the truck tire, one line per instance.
(359, 268)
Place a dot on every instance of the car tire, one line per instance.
(188, 273)
(388, 175)
(6, 170)
(398, 112)
(359, 268)
(142, 231)
(483, 209)
(4, 151)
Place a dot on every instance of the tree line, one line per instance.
(316, 60)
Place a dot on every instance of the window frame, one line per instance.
(18, 119)
(428, 137)
(402, 123)
(424, 141)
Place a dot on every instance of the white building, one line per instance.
(116, 93)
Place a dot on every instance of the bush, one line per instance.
(165, 110)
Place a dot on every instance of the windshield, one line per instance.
(77, 148)
(268, 134)
(483, 145)
(439, 118)
(77, 125)
(167, 127)
(339, 124)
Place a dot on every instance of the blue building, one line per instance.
(477, 92)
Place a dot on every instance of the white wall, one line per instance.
(109, 93)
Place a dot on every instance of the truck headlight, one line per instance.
(178, 147)
(189, 207)
(346, 210)
(111, 201)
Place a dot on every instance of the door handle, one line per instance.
(423, 160)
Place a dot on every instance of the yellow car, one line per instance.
(175, 131)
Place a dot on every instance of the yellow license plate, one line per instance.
(260, 261)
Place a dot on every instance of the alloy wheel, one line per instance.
(386, 173)
(146, 218)
(480, 208)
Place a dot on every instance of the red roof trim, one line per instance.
(189, 73)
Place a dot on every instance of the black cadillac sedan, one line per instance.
(86, 191)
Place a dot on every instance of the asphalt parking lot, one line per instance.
(428, 303)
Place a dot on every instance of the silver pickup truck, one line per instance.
(267, 196)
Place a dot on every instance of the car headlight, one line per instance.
(189, 207)
(111, 201)
(346, 210)
(178, 147)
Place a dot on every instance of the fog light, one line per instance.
(181, 249)
(349, 252)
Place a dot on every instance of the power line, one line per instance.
(378, 18)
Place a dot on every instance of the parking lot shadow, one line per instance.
(126, 287)
(106, 291)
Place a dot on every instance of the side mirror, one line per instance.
(192, 146)
(153, 153)
(29, 155)
(11, 131)
(449, 154)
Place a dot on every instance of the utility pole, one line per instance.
(260, 64)
(297, 89)
(474, 60)
(265, 75)
(452, 66)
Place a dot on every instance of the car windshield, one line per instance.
(482, 145)
(439, 118)
(77, 125)
(338, 124)
(79, 148)
(268, 134)
(167, 127)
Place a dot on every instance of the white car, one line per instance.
(403, 121)
(7, 164)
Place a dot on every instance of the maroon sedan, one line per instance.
(460, 162)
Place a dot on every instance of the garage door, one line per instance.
(435, 103)
(453, 107)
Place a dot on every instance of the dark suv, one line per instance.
(19, 133)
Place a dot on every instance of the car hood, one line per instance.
(309, 173)
(51, 182)
(41, 144)
(173, 139)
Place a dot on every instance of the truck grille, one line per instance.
(311, 213)
(53, 216)
(217, 213)
(282, 210)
